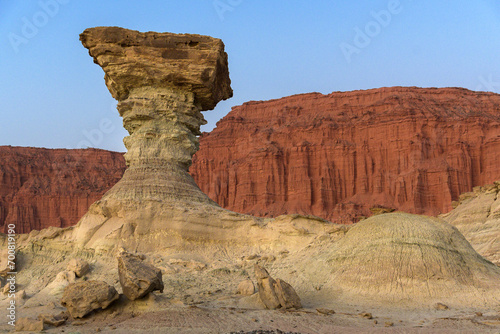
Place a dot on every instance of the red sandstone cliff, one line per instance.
(44, 187)
(334, 156)
(337, 155)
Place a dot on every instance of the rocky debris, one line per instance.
(380, 210)
(325, 311)
(53, 320)
(275, 293)
(189, 264)
(82, 298)
(6, 264)
(138, 278)
(29, 325)
(6, 288)
(52, 187)
(20, 295)
(441, 306)
(366, 315)
(78, 266)
(262, 331)
(60, 282)
(337, 155)
(477, 217)
(246, 288)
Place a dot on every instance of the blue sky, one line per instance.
(53, 95)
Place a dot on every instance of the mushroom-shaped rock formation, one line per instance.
(162, 82)
(400, 256)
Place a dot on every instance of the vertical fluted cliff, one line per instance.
(334, 156)
(338, 155)
(43, 187)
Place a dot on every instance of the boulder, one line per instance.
(62, 280)
(246, 288)
(286, 295)
(82, 298)
(275, 293)
(78, 266)
(29, 325)
(53, 320)
(6, 288)
(138, 278)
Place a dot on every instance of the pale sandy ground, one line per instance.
(204, 302)
(200, 294)
(198, 319)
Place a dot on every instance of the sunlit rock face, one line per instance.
(162, 82)
(339, 155)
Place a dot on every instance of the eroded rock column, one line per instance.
(162, 82)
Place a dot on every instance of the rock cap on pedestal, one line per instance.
(133, 59)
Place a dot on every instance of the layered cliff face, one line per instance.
(43, 187)
(338, 155)
(334, 156)
(162, 82)
(477, 216)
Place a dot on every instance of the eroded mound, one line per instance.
(398, 256)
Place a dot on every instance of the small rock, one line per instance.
(389, 324)
(29, 325)
(78, 266)
(366, 315)
(440, 306)
(82, 298)
(375, 322)
(21, 294)
(136, 277)
(325, 311)
(6, 289)
(53, 320)
(62, 280)
(191, 264)
(246, 288)
(479, 314)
